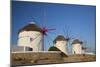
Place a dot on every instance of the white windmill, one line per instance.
(77, 46)
(31, 36)
(61, 43)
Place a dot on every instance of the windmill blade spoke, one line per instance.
(49, 26)
(52, 32)
(44, 18)
(50, 29)
(72, 38)
(67, 31)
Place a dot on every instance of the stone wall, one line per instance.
(35, 58)
(79, 58)
(32, 58)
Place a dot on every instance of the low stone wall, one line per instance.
(35, 58)
(32, 58)
(79, 58)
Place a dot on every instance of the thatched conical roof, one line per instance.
(84, 48)
(77, 41)
(59, 38)
(30, 27)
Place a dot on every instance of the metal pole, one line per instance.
(43, 43)
(24, 48)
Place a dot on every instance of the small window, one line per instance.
(31, 39)
(74, 52)
(30, 49)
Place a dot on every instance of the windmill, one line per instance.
(85, 47)
(79, 46)
(61, 41)
(32, 35)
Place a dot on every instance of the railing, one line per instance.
(36, 52)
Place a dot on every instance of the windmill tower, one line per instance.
(83, 50)
(77, 46)
(31, 36)
(60, 42)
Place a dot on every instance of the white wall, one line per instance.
(83, 51)
(62, 45)
(76, 49)
(36, 42)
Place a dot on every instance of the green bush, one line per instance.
(53, 48)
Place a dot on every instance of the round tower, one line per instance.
(77, 46)
(31, 36)
(83, 50)
(60, 42)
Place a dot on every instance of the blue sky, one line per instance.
(77, 19)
